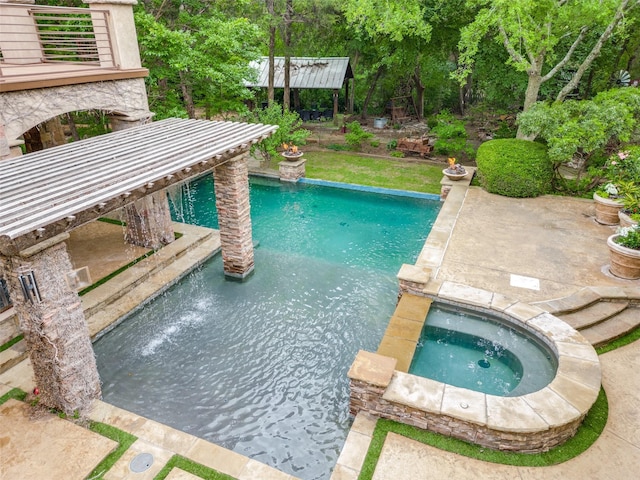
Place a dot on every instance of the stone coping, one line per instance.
(564, 401)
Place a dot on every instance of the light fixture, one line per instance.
(29, 287)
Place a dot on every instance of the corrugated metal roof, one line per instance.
(55, 190)
(306, 72)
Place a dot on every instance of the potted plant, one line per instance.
(630, 212)
(608, 204)
(624, 251)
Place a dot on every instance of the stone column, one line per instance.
(122, 122)
(289, 171)
(149, 221)
(234, 219)
(54, 326)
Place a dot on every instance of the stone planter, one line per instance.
(625, 220)
(625, 262)
(607, 210)
(453, 175)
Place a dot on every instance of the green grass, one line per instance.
(588, 432)
(124, 439)
(630, 337)
(11, 342)
(13, 393)
(375, 172)
(192, 467)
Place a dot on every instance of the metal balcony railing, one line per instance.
(72, 36)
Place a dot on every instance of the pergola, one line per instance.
(44, 195)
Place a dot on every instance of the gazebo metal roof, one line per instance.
(306, 72)
(45, 193)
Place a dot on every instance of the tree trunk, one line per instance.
(288, 19)
(419, 93)
(272, 49)
(72, 127)
(530, 97)
(187, 97)
(365, 105)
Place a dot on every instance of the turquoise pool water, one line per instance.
(260, 366)
(481, 353)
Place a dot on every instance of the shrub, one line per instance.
(397, 154)
(375, 143)
(356, 135)
(392, 144)
(514, 168)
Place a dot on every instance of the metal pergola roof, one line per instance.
(45, 193)
(306, 72)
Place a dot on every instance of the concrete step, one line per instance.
(112, 291)
(614, 327)
(593, 314)
(13, 355)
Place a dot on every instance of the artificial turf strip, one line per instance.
(620, 342)
(124, 439)
(13, 393)
(11, 342)
(587, 434)
(197, 469)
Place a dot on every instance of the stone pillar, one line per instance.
(291, 171)
(54, 326)
(122, 122)
(5, 150)
(149, 221)
(413, 279)
(234, 219)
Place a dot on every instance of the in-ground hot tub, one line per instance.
(487, 354)
(531, 422)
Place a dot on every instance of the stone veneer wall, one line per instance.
(291, 171)
(369, 398)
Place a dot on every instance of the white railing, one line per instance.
(37, 34)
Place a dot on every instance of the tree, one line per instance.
(541, 37)
(398, 31)
(201, 62)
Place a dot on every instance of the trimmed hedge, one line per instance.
(514, 168)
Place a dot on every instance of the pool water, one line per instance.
(260, 366)
(487, 355)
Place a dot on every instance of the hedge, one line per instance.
(514, 168)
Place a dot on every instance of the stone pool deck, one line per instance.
(530, 249)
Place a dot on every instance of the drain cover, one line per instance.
(141, 462)
(484, 363)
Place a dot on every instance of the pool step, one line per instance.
(403, 332)
(600, 314)
(133, 287)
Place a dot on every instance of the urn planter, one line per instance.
(625, 262)
(607, 210)
(626, 220)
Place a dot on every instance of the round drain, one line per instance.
(484, 363)
(141, 463)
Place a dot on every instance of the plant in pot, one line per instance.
(630, 212)
(624, 251)
(623, 175)
(608, 204)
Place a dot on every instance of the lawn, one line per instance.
(347, 167)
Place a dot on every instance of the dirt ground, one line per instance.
(326, 133)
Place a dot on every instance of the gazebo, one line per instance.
(46, 194)
(307, 72)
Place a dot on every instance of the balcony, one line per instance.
(44, 47)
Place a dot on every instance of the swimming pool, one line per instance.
(260, 366)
